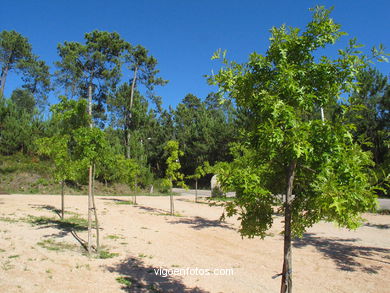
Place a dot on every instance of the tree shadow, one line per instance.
(346, 256)
(377, 226)
(72, 224)
(119, 201)
(47, 207)
(199, 223)
(136, 277)
(155, 211)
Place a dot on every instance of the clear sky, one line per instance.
(183, 34)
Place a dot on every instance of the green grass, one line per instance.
(142, 255)
(126, 202)
(114, 237)
(14, 256)
(51, 244)
(9, 220)
(168, 214)
(104, 254)
(75, 223)
(127, 281)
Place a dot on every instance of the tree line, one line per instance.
(119, 82)
(119, 79)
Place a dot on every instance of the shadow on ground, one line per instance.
(199, 223)
(136, 277)
(377, 226)
(70, 224)
(346, 255)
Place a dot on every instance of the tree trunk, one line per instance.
(95, 212)
(62, 199)
(127, 137)
(135, 191)
(90, 175)
(286, 285)
(90, 208)
(3, 78)
(129, 113)
(196, 190)
(172, 207)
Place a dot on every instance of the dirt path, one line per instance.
(146, 239)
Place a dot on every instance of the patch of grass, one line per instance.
(87, 266)
(126, 281)
(142, 255)
(2, 250)
(7, 266)
(14, 256)
(127, 202)
(9, 220)
(72, 223)
(168, 214)
(104, 254)
(53, 245)
(114, 237)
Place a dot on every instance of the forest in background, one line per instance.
(47, 144)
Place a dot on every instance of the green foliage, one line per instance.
(14, 49)
(104, 254)
(282, 90)
(369, 112)
(126, 281)
(17, 126)
(172, 173)
(144, 69)
(204, 130)
(96, 64)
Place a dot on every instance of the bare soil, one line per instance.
(143, 238)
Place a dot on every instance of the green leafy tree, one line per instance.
(23, 101)
(370, 115)
(200, 171)
(172, 173)
(92, 70)
(56, 148)
(17, 127)
(285, 149)
(68, 115)
(14, 49)
(204, 130)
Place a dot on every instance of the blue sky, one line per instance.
(183, 34)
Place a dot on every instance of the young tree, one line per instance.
(200, 171)
(172, 173)
(285, 148)
(68, 115)
(93, 71)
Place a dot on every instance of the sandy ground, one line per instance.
(327, 259)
